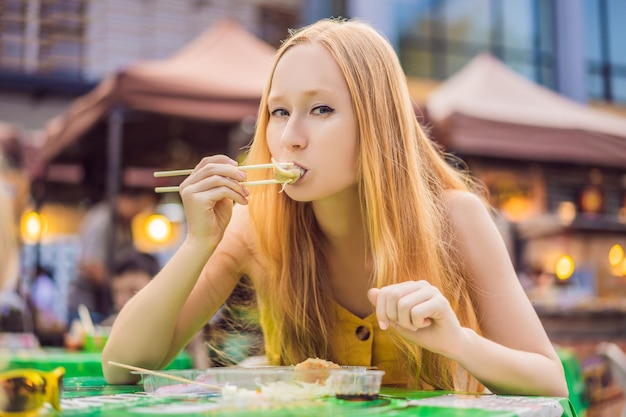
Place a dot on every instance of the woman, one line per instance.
(378, 255)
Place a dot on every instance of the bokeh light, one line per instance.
(158, 228)
(564, 267)
(32, 227)
(616, 255)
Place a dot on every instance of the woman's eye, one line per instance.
(323, 110)
(279, 112)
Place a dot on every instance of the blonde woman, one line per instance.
(379, 255)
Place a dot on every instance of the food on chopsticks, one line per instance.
(285, 173)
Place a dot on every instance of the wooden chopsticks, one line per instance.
(182, 172)
(165, 375)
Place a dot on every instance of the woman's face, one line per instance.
(312, 122)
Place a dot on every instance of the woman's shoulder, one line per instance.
(467, 212)
(459, 201)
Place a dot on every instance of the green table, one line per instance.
(92, 397)
(575, 380)
(76, 363)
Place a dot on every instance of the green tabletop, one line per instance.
(93, 397)
(76, 363)
(575, 380)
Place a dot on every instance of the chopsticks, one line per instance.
(182, 172)
(175, 188)
(165, 375)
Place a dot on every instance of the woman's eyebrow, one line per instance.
(306, 93)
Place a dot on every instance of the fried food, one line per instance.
(315, 363)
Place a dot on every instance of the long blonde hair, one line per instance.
(402, 177)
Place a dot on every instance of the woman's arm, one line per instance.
(163, 317)
(515, 355)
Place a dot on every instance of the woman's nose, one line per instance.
(293, 137)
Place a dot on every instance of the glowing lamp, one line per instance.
(564, 267)
(158, 228)
(616, 255)
(566, 212)
(32, 226)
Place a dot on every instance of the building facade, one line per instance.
(52, 51)
(571, 46)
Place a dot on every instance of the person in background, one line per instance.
(12, 307)
(132, 271)
(382, 253)
(43, 297)
(9, 244)
(543, 290)
(92, 285)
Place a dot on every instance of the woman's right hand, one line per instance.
(208, 195)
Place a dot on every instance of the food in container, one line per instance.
(268, 384)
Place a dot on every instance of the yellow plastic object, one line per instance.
(24, 391)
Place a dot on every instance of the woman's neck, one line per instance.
(347, 254)
(340, 219)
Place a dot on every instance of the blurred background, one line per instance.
(97, 95)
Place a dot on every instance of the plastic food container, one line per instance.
(357, 385)
(274, 384)
(241, 378)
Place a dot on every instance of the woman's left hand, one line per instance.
(420, 313)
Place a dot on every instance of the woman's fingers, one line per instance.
(208, 194)
(214, 188)
(420, 313)
(215, 159)
(217, 175)
(416, 308)
(408, 304)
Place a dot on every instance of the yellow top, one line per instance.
(356, 342)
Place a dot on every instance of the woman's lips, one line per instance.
(303, 171)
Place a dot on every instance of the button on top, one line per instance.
(363, 333)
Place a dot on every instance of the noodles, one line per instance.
(286, 175)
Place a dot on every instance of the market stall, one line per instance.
(157, 113)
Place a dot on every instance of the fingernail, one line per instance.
(382, 325)
(242, 175)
